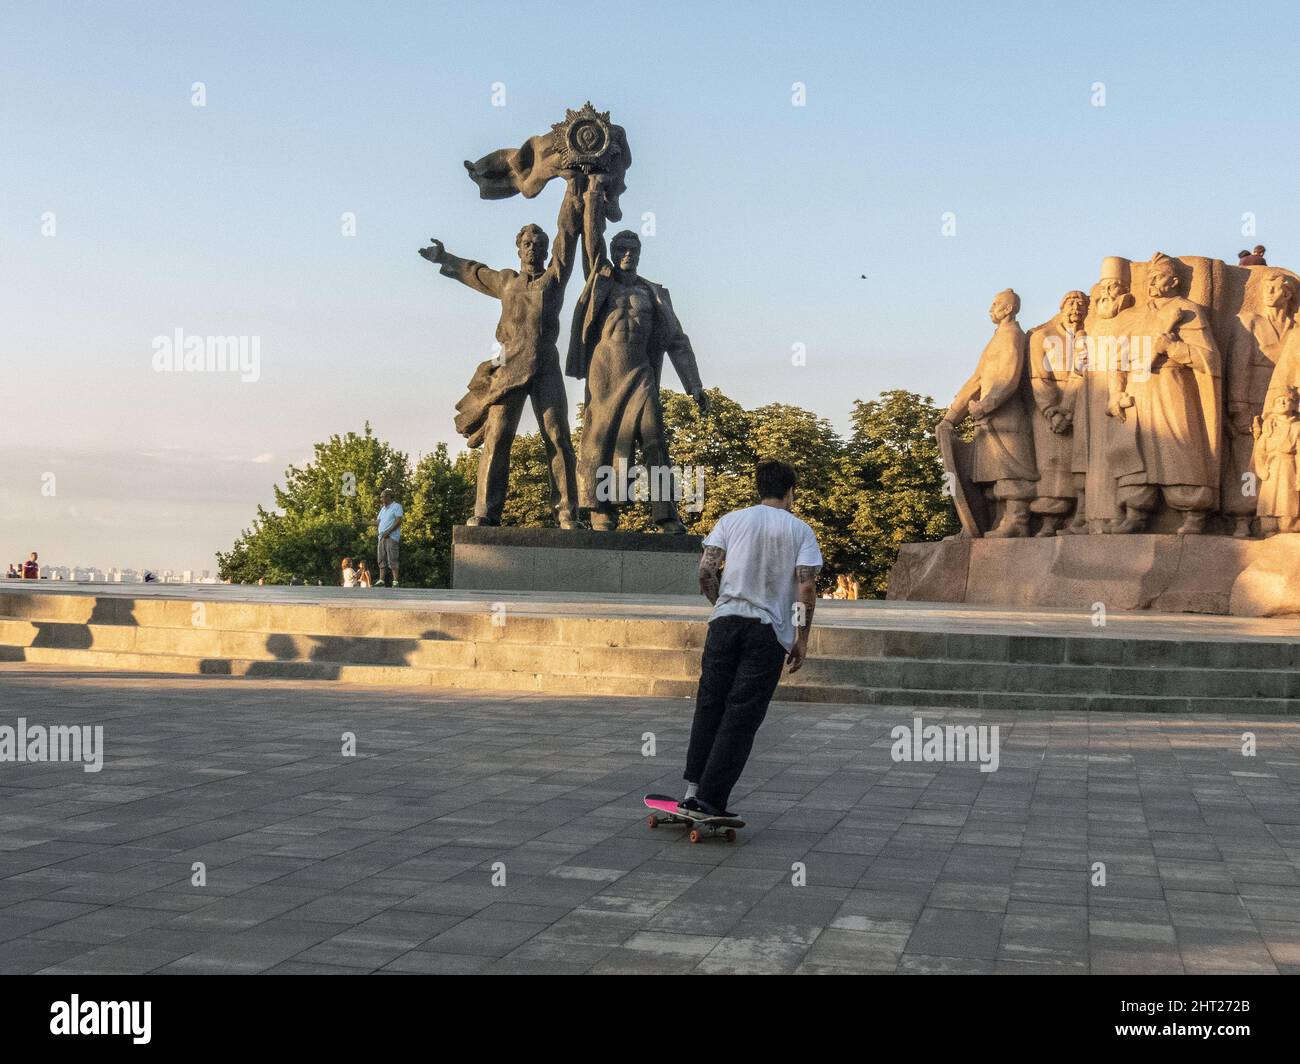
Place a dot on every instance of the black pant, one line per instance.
(739, 673)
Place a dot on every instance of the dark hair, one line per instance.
(1242, 254)
(774, 479)
(1260, 249)
(624, 236)
(538, 234)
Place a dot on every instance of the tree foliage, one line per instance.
(863, 495)
(442, 496)
(890, 485)
(324, 512)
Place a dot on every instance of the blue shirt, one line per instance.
(388, 516)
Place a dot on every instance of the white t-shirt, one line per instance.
(764, 544)
(349, 578)
(387, 515)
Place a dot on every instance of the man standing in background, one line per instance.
(389, 523)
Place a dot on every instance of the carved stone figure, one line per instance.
(1169, 407)
(528, 366)
(1285, 377)
(622, 327)
(996, 399)
(1105, 327)
(1252, 357)
(1276, 436)
(1055, 350)
(1156, 381)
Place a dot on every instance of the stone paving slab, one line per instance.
(504, 833)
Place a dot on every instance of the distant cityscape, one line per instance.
(91, 574)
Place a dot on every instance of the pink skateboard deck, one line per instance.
(666, 812)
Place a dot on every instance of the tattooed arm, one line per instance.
(710, 563)
(805, 577)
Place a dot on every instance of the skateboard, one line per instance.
(666, 812)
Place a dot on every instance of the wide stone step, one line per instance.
(804, 687)
(1043, 662)
(493, 622)
(502, 623)
(882, 673)
(479, 679)
(377, 650)
(1156, 680)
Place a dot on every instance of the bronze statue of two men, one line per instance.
(623, 326)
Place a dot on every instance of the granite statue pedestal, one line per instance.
(1184, 574)
(554, 559)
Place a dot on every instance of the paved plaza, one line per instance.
(505, 833)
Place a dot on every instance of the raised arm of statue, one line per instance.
(468, 272)
(593, 228)
(567, 231)
(479, 277)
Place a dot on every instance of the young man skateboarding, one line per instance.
(762, 612)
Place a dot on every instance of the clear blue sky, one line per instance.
(226, 219)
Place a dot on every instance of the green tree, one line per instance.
(722, 447)
(322, 514)
(890, 484)
(812, 446)
(528, 497)
(719, 445)
(863, 496)
(442, 495)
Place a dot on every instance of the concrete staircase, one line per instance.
(890, 658)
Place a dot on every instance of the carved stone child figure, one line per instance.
(1277, 434)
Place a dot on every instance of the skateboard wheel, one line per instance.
(652, 820)
(731, 834)
(695, 835)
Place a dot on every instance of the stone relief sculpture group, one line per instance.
(1165, 400)
(623, 325)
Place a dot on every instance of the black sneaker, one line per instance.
(694, 805)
